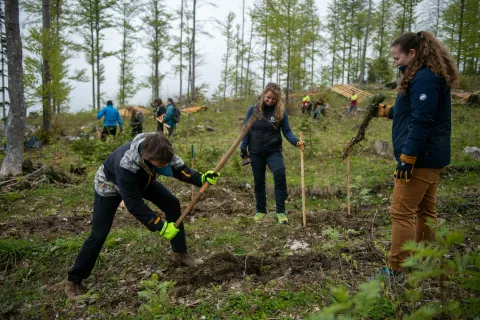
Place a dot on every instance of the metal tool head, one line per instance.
(246, 161)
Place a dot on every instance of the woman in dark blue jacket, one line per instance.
(263, 144)
(421, 138)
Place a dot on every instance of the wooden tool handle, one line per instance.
(302, 165)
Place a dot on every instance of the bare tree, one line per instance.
(12, 163)
(46, 83)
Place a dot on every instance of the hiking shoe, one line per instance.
(74, 290)
(282, 218)
(389, 277)
(259, 216)
(183, 259)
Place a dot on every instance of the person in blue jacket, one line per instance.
(421, 139)
(263, 144)
(112, 116)
(169, 117)
(130, 174)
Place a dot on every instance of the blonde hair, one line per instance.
(430, 53)
(279, 108)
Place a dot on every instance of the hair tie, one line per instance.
(420, 34)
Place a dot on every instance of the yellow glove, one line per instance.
(383, 110)
(301, 145)
(169, 230)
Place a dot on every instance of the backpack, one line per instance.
(176, 114)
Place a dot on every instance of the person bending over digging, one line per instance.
(264, 144)
(421, 140)
(129, 174)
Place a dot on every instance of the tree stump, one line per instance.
(382, 147)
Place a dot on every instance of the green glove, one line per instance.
(169, 230)
(210, 177)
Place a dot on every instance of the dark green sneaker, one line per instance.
(282, 218)
(259, 216)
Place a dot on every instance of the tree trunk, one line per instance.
(289, 48)
(410, 16)
(265, 56)
(460, 34)
(97, 51)
(334, 49)
(181, 50)
(364, 53)
(192, 90)
(2, 48)
(242, 46)
(248, 60)
(92, 60)
(46, 84)
(12, 163)
(237, 62)
(382, 30)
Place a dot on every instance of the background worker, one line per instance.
(353, 103)
(305, 102)
(159, 113)
(263, 144)
(421, 140)
(170, 116)
(111, 118)
(130, 174)
(318, 109)
(136, 122)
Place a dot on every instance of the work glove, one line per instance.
(244, 154)
(301, 145)
(404, 168)
(383, 110)
(210, 177)
(169, 230)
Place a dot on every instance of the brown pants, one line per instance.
(412, 203)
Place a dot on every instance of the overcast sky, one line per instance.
(211, 48)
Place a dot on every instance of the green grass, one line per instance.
(34, 265)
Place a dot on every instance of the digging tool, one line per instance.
(246, 161)
(302, 166)
(254, 117)
(348, 184)
(193, 163)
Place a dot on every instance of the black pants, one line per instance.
(108, 131)
(277, 166)
(170, 131)
(104, 209)
(137, 129)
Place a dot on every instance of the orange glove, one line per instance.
(383, 110)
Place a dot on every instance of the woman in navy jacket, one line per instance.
(421, 138)
(264, 143)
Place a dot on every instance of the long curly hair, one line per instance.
(430, 53)
(279, 108)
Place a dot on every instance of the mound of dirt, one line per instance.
(225, 267)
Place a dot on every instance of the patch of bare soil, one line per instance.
(225, 267)
(54, 226)
(356, 221)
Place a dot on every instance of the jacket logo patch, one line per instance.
(423, 96)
